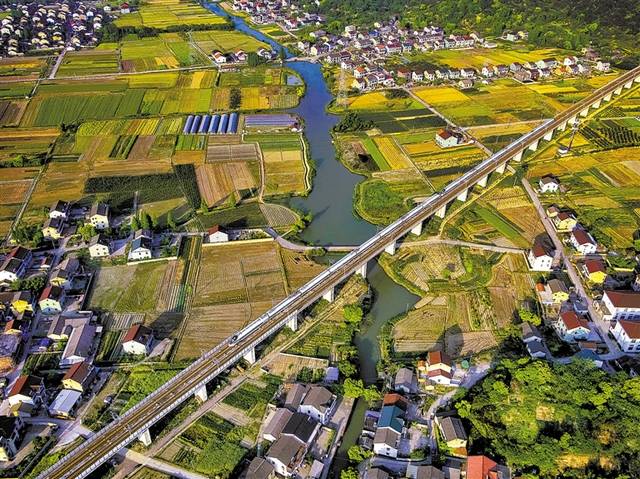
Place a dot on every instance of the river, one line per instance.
(334, 222)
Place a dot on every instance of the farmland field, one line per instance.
(89, 62)
(164, 14)
(22, 67)
(226, 41)
(216, 182)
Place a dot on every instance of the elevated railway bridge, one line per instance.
(135, 423)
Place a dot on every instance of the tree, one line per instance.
(347, 368)
(146, 223)
(353, 122)
(35, 284)
(358, 453)
(354, 388)
(349, 473)
(171, 224)
(135, 223)
(352, 313)
(87, 231)
(235, 98)
(282, 55)
(529, 317)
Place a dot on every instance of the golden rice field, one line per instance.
(378, 100)
(254, 99)
(479, 57)
(168, 13)
(226, 41)
(392, 153)
(285, 172)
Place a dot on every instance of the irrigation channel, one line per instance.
(334, 223)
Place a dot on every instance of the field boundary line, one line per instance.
(25, 202)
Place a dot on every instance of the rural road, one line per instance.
(601, 326)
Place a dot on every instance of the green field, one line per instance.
(89, 63)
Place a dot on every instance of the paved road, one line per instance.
(467, 244)
(83, 460)
(150, 462)
(57, 64)
(600, 325)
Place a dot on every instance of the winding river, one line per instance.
(334, 222)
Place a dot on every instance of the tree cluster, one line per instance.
(353, 122)
(548, 421)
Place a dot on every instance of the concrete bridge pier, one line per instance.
(250, 355)
(145, 438)
(629, 84)
(442, 211)
(518, 157)
(584, 112)
(329, 294)
(483, 181)
(607, 97)
(637, 79)
(596, 104)
(292, 320)
(463, 196)
(548, 136)
(500, 169)
(201, 393)
(618, 90)
(534, 146)
(362, 270)
(391, 248)
(562, 126)
(572, 120)
(417, 229)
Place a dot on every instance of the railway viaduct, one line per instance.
(135, 423)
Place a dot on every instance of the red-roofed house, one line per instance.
(595, 270)
(439, 368)
(539, 258)
(138, 340)
(572, 327)
(627, 334)
(27, 390)
(448, 138)
(51, 300)
(583, 241)
(216, 234)
(621, 305)
(482, 467)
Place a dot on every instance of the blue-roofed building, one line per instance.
(222, 127)
(391, 417)
(188, 124)
(213, 126)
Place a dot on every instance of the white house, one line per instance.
(276, 423)
(548, 184)
(447, 138)
(627, 334)
(572, 328)
(15, 264)
(27, 390)
(65, 403)
(621, 305)
(138, 340)
(286, 455)
(636, 283)
(99, 246)
(539, 258)
(404, 381)
(583, 241)
(386, 442)
(439, 367)
(216, 234)
(140, 246)
(59, 210)
(99, 216)
(79, 345)
(51, 300)
(319, 403)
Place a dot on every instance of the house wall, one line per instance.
(383, 449)
(135, 348)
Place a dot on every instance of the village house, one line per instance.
(286, 455)
(51, 300)
(11, 433)
(79, 345)
(482, 467)
(389, 431)
(137, 341)
(99, 246)
(539, 258)
(275, 424)
(99, 216)
(572, 328)
(62, 276)
(260, 468)
(465, 83)
(59, 210)
(318, 403)
(446, 138)
(79, 377)
(27, 390)
(217, 234)
(583, 241)
(603, 66)
(619, 305)
(15, 264)
(439, 368)
(424, 472)
(404, 381)
(140, 246)
(565, 221)
(532, 338)
(558, 290)
(595, 270)
(452, 432)
(627, 334)
(52, 228)
(636, 284)
(64, 404)
(548, 184)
